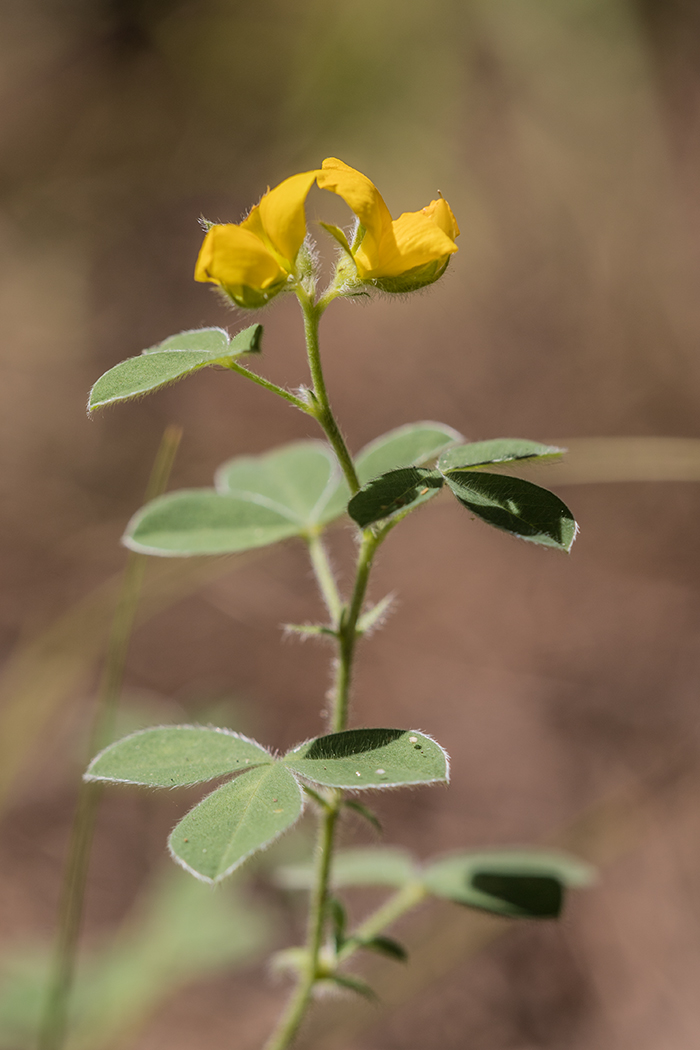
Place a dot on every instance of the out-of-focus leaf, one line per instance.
(365, 813)
(202, 521)
(365, 866)
(172, 756)
(387, 946)
(412, 445)
(173, 359)
(339, 921)
(515, 506)
(375, 616)
(353, 984)
(519, 884)
(500, 450)
(397, 492)
(296, 480)
(370, 758)
(236, 820)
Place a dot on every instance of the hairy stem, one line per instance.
(321, 409)
(345, 623)
(272, 387)
(54, 1022)
(348, 632)
(291, 1019)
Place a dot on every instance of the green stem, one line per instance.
(291, 1019)
(54, 1022)
(348, 632)
(322, 409)
(397, 905)
(345, 620)
(272, 387)
(325, 578)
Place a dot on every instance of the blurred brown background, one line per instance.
(566, 137)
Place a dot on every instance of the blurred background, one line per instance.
(566, 136)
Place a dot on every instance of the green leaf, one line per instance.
(376, 615)
(309, 630)
(353, 984)
(171, 756)
(399, 491)
(296, 480)
(170, 360)
(236, 820)
(365, 866)
(202, 521)
(339, 921)
(370, 758)
(412, 445)
(519, 884)
(386, 946)
(500, 450)
(516, 506)
(373, 866)
(365, 813)
(338, 235)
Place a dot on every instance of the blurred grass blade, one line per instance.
(55, 1015)
(177, 932)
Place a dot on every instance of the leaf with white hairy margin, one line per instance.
(370, 758)
(175, 756)
(243, 816)
(173, 359)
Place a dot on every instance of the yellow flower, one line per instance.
(251, 262)
(396, 255)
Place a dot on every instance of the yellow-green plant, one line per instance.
(297, 491)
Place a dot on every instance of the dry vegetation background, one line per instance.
(565, 134)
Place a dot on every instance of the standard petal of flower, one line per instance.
(359, 194)
(442, 215)
(282, 215)
(414, 240)
(232, 256)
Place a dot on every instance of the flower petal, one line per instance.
(238, 261)
(413, 240)
(360, 194)
(442, 215)
(281, 213)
